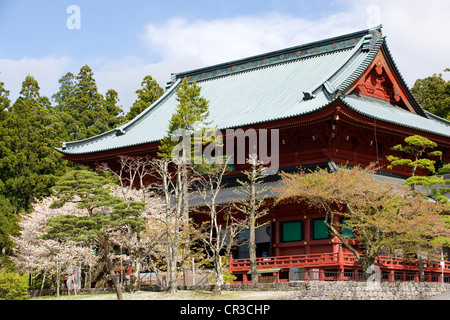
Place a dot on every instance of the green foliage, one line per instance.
(83, 109)
(433, 94)
(445, 169)
(150, 92)
(89, 190)
(8, 225)
(192, 109)
(31, 128)
(4, 98)
(86, 185)
(13, 287)
(417, 147)
(29, 162)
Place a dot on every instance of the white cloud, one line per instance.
(414, 33)
(417, 36)
(415, 30)
(47, 71)
(215, 41)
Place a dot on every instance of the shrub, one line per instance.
(13, 286)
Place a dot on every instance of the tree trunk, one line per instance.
(420, 265)
(110, 267)
(42, 284)
(137, 285)
(113, 277)
(252, 251)
(58, 275)
(218, 274)
(173, 257)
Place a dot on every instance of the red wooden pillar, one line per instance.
(341, 264)
(276, 239)
(391, 275)
(307, 236)
(245, 278)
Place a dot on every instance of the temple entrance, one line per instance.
(263, 243)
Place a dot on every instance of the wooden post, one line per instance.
(341, 264)
(193, 271)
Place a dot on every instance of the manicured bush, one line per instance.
(13, 286)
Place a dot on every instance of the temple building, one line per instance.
(335, 101)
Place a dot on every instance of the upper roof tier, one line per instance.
(280, 85)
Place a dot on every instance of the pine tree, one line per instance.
(417, 147)
(104, 213)
(88, 104)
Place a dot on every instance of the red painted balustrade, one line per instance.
(328, 260)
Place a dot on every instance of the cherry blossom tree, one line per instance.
(36, 255)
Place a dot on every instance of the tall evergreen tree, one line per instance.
(4, 98)
(88, 104)
(28, 160)
(64, 104)
(192, 108)
(150, 92)
(112, 113)
(66, 94)
(83, 110)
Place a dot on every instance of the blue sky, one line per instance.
(122, 41)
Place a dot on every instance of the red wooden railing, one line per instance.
(326, 260)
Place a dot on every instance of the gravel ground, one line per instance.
(195, 295)
(181, 295)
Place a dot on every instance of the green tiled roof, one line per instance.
(384, 111)
(268, 87)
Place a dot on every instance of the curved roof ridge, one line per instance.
(274, 57)
(123, 128)
(396, 115)
(434, 117)
(358, 71)
(402, 80)
(339, 67)
(152, 107)
(272, 65)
